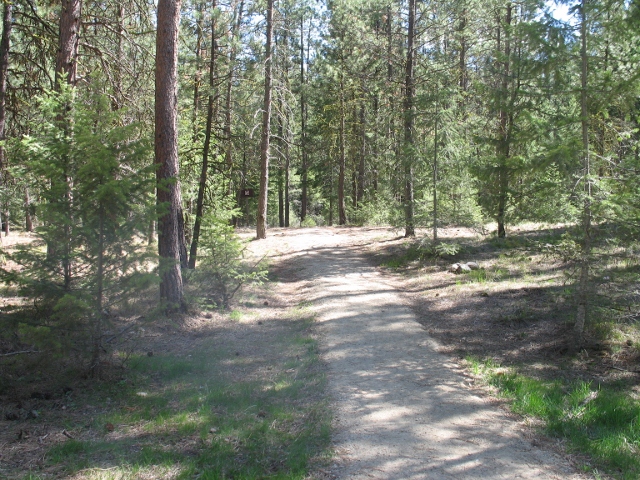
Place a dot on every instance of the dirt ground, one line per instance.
(393, 345)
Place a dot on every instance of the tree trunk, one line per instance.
(28, 218)
(66, 59)
(363, 151)
(408, 124)
(504, 140)
(303, 131)
(342, 210)
(66, 72)
(5, 45)
(582, 312)
(211, 115)
(261, 223)
(435, 176)
(166, 154)
(287, 182)
(281, 142)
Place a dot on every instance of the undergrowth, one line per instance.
(210, 415)
(593, 419)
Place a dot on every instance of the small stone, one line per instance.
(464, 268)
(208, 315)
(213, 430)
(455, 268)
(629, 343)
(266, 303)
(473, 265)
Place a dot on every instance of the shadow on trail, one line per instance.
(405, 411)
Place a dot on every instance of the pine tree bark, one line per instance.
(304, 200)
(261, 224)
(5, 45)
(504, 142)
(166, 155)
(342, 210)
(66, 72)
(408, 124)
(435, 175)
(363, 153)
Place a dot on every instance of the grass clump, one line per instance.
(601, 422)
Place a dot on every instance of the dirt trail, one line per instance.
(403, 410)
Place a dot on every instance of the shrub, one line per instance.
(223, 271)
(96, 187)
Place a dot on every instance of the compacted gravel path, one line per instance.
(402, 410)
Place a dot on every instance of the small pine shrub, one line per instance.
(222, 270)
(96, 186)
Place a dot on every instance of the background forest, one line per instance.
(411, 114)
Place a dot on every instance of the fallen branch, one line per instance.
(623, 370)
(124, 330)
(21, 352)
(66, 434)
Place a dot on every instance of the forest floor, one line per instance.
(392, 348)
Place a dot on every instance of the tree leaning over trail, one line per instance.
(261, 228)
(170, 226)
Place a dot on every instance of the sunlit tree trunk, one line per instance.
(166, 154)
(261, 224)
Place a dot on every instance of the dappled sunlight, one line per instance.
(404, 411)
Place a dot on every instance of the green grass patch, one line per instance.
(211, 415)
(601, 422)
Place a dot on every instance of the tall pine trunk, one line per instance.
(5, 45)
(504, 142)
(303, 131)
(342, 210)
(261, 224)
(166, 155)
(408, 124)
(362, 157)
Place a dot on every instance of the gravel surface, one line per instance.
(402, 410)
